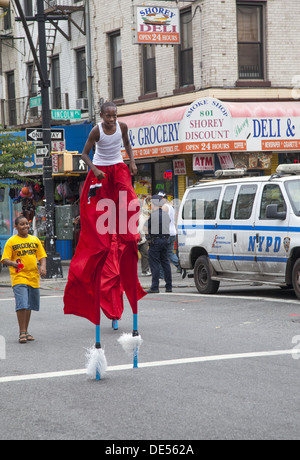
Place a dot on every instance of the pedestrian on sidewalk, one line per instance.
(157, 228)
(143, 245)
(21, 253)
(167, 207)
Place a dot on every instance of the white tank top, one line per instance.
(108, 148)
(171, 213)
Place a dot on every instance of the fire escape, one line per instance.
(56, 8)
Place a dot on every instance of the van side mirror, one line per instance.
(273, 213)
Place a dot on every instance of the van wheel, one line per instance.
(296, 278)
(203, 281)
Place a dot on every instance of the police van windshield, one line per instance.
(293, 191)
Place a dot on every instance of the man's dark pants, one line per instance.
(158, 255)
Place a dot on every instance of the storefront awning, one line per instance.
(210, 125)
(264, 109)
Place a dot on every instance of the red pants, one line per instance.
(105, 262)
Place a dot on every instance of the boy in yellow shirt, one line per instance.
(21, 253)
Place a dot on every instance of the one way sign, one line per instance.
(42, 151)
(36, 134)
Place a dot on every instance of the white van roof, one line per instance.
(277, 177)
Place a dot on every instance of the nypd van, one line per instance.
(245, 229)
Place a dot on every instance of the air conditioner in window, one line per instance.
(82, 104)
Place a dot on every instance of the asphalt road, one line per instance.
(210, 367)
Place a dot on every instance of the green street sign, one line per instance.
(35, 101)
(58, 114)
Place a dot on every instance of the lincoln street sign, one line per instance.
(36, 134)
(66, 114)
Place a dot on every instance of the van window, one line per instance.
(293, 190)
(227, 201)
(201, 203)
(271, 195)
(245, 200)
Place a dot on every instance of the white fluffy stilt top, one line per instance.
(130, 343)
(96, 362)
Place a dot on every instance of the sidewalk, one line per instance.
(59, 283)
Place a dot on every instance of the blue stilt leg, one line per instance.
(98, 377)
(135, 333)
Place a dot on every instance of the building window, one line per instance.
(186, 70)
(31, 80)
(4, 212)
(32, 86)
(149, 69)
(56, 95)
(163, 178)
(12, 107)
(116, 65)
(81, 73)
(7, 18)
(250, 41)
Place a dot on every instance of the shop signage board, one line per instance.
(179, 167)
(269, 133)
(55, 163)
(154, 140)
(203, 162)
(225, 160)
(209, 125)
(58, 146)
(157, 25)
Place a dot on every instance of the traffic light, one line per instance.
(68, 162)
(4, 3)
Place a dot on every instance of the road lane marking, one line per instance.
(42, 297)
(170, 362)
(199, 296)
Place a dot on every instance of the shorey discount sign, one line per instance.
(209, 126)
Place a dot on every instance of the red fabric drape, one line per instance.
(106, 254)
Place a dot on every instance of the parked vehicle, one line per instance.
(245, 229)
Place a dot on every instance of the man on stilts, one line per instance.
(109, 212)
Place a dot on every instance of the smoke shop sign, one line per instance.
(207, 127)
(157, 25)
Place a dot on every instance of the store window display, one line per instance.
(4, 212)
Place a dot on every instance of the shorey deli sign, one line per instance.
(158, 25)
